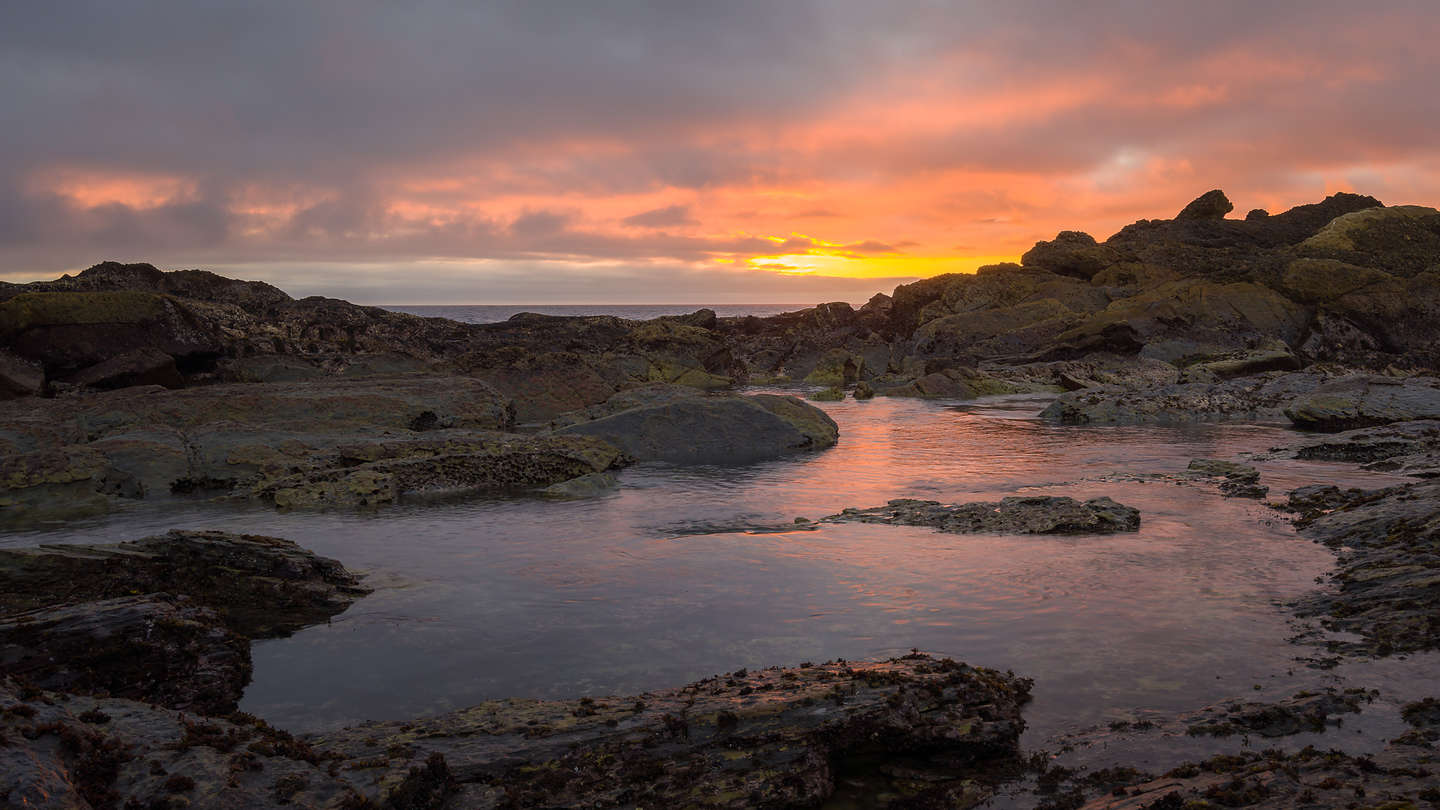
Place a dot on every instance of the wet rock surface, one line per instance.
(1364, 400)
(1014, 515)
(1257, 398)
(772, 738)
(1305, 711)
(1387, 582)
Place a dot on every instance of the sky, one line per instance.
(678, 152)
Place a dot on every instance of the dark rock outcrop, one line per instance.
(1015, 515)
(259, 586)
(1263, 397)
(1210, 205)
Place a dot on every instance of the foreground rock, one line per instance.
(259, 586)
(166, 619)
(683, 426)
(1388, 577)
(1016, 515)
(155, 647)
(768, 738)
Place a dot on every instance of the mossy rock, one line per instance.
(834, 394)
(29, 310)
(1324, 280)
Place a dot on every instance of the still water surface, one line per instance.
(660, 583)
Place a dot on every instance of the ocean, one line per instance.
(494, 313)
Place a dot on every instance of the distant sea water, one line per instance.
(494, 313)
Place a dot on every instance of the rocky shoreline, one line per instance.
(121, 664)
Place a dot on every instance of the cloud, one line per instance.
(667, 217)
(560, 135)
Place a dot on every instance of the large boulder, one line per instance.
(20, 377)
(686, 427)
(1362, 400)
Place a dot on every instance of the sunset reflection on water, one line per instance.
(687, 572)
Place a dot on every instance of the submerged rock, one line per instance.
(1305, 711)
(1236, 480)
(1015, 515)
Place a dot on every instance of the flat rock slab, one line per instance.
(1261, 397)
(1016, 515)
(259, 586)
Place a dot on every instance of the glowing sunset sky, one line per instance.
(705, 152)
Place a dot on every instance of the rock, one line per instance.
(592, 485)
(691, 428)
(156, 648)
(1071, 253)
(1310, 502)
(1402, 240)
(1404, 448)
(1262, 397)
(863, 390)
(1303, 712)
(68, 332)
(1015, 515)
(757, 738)
(834, 394)
(1210, 205)
(1226, 316)
(1239, 480)
(836, 367)
(1272, 355)
(20, 377)
(377, 473)
(1388, 566)
(68, 751)
(144, 366)
(259, 586)
(1256, 214)
(770, 738)
(1363, 400)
